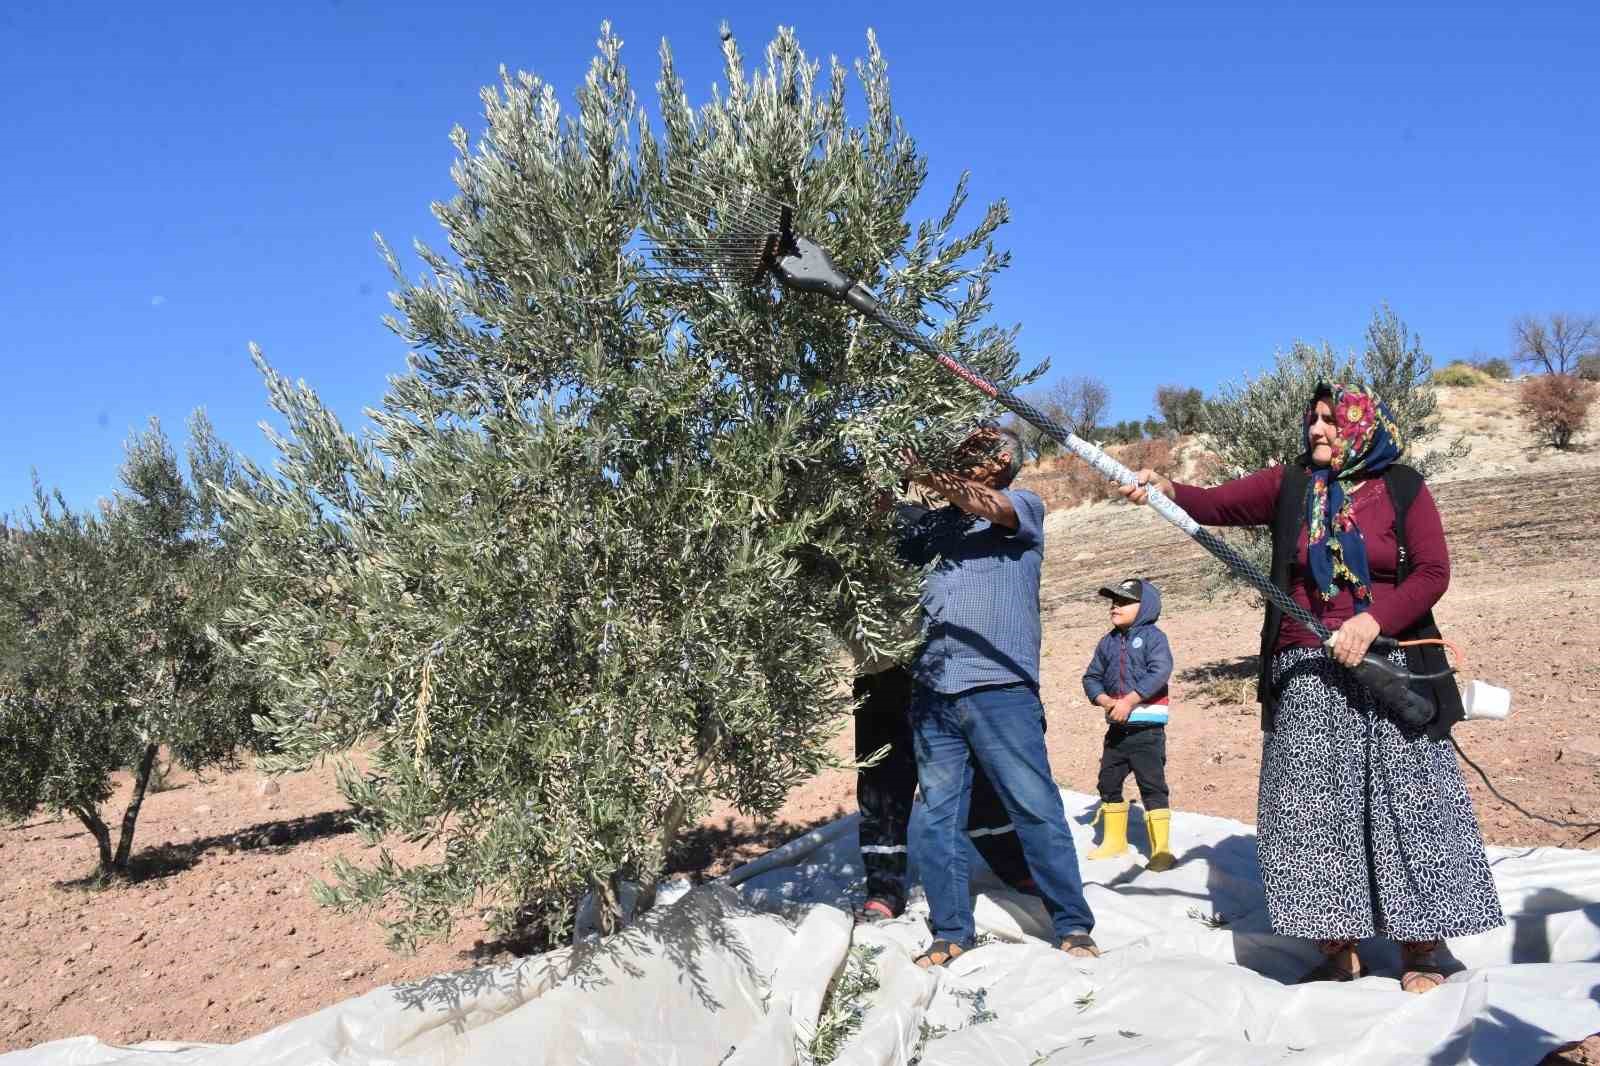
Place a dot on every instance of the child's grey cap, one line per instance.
(1128, 590)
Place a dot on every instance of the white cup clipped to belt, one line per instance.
(1481, 700)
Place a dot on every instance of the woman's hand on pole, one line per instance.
(1351, 641)
(1139, 493)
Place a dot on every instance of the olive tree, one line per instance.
(104, 652)
(587, 568)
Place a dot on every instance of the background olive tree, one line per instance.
(586, 570)
(104, 654)
(1257, 422)
(1181, 407)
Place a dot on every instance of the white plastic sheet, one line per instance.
(737, 972)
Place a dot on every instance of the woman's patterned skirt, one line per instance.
(1364, 827)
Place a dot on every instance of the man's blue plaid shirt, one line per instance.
(980, 603)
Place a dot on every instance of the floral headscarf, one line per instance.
(1366, 440)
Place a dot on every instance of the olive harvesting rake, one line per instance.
(739, 236)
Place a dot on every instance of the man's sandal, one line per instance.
(939, 953)
(1080, 946)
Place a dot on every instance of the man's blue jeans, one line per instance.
(1003, 729)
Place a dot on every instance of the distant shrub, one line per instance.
(1156, 454)
(1460, 375)
(1498, 369)
(1589, 368)
(1556, 407)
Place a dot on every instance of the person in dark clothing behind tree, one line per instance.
(885, 790)
(1127, 678)
(1364, 824)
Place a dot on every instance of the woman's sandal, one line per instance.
(1420, 973)
(1332, 968)
(939, 953)
(1080, 946)
(1421, 977)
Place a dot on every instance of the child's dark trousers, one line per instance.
(1142, 750)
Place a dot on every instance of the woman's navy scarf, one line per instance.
(1366, 441)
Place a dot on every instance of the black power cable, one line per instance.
(1593, 827)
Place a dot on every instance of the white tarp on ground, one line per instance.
(736, 973)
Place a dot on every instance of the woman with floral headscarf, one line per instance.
(1364, 824)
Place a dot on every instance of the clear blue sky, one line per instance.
(1193, 185)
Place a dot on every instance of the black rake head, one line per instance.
(711, 232)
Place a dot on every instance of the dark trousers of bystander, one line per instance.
(884, 794)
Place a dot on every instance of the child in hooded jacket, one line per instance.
(1127, 678)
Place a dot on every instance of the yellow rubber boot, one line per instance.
(1158, 824)
(1115, 840)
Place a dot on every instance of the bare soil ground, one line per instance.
(218, 937)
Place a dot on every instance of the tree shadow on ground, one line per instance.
(1494, 1035)
(682, 934)
(1224, 680)
(701, 854)
(700, 924)
(276, 837)
(711, 850)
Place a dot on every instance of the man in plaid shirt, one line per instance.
(976, 698)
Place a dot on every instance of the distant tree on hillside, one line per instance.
(1557, 343)
(1125, 432)
(1180, 407)
(1495, 367)
(104, 653)
(1075, 403)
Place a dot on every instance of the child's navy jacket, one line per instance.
(1139, 660)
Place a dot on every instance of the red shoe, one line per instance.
(876, 909)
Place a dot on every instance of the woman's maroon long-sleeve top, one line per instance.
(1252, 500)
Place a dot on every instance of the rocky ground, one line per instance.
(218, 937)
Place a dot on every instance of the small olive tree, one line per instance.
(104, 654)
(586, 571)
